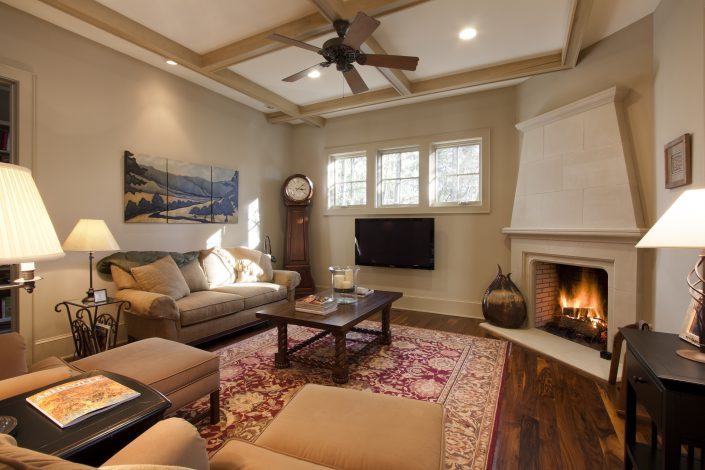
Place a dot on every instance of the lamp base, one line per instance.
(90, 297)
(692, 354)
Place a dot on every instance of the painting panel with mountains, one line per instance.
(161, 190)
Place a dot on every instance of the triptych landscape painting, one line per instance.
(158, 190)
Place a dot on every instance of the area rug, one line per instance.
(464, 373)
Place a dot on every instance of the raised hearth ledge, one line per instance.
(627, 235)
(576, 355)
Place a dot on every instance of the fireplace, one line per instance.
(571, 302)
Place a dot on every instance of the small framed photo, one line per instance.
(690, 330)
(100, 296)
(677, 160)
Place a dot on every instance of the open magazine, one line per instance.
(71, 402)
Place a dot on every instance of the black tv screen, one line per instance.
(395, 243)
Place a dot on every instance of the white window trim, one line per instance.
(432, 173)
(340, 156)
(378, 180)
(425, 145)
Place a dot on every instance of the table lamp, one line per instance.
(90, 235)
(683, 226)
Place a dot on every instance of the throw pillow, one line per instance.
(162, 277)
(253, 265)
(219, 266)
(195, 277)
(123, 279)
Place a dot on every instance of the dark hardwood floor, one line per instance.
(552, 417)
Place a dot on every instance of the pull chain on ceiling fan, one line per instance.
(344, 50)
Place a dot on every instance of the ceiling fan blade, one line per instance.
(355, 81)
(292, 42)
(302, 74)
(359, 30)
(403, 62)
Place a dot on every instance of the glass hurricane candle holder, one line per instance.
(344, 281)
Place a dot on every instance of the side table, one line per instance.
(92, 330)
(672, 390)
(95, 439)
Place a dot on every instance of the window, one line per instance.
(347, 180)
(398, 180)
(456, 173)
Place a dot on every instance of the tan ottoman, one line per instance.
(182, 373)
(355, 430)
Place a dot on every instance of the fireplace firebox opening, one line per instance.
(571, 302)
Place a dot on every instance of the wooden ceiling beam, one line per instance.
(100, 16)
(579, 16)
(496, 73)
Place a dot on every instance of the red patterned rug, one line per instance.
(464, 373)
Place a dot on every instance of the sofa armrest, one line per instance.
(25, 383)
(288, 279)
(149, 304)
(13, 352)
(173, 441)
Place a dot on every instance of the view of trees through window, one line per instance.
(399, 178)
(457, 173)
(347, 181)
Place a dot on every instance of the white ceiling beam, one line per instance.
(100, 16)
(497, 73)
(579, 16)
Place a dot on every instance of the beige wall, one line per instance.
(624, 59)
(91, 104)
(678, 108)
(468, 246)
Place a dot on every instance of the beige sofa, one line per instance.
(320, 428)
(196, 296)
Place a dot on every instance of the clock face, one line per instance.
(298, 189)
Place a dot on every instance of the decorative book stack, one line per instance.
(317, 304)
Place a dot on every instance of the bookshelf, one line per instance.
(5, 141)
(9, 299)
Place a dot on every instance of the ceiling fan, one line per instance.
(344, 50)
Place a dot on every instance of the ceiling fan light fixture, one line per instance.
(467, 34)
(172, 62)
(314, 74)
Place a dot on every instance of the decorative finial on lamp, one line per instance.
(90, 235)
(683, 226)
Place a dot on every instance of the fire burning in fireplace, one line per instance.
(581, 309)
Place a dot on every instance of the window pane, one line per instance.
(359, 172)
(359, 193)
(409, 191)
(409, 164)
(469, 159)
(447, 189)
(446, 162)
(389, 192)
(390, 165)
(474, 188)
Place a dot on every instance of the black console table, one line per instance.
(92, 330)
(672, 390)
(95, 439)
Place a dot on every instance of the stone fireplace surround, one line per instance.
(577, 203)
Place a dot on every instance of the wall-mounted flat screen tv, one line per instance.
(395, 242)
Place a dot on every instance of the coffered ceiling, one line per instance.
(223, 45)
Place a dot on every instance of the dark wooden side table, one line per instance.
(672, 390)
(95, 439)
(93, 331)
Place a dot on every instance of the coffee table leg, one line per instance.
(340, 369)
(281, 358)
(386, 332)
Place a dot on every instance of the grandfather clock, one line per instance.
(297, 192)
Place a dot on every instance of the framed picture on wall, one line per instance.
(677, 160)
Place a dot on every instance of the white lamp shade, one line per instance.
(26, 232)
(681, 226)
(90, 235)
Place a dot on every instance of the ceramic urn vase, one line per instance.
(503, 305)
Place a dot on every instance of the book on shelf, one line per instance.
(316, 304)
(72, 402)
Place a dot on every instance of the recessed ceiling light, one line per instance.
(171, 62)
(467, 34)
(314, 74)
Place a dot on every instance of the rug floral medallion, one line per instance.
(463, 373)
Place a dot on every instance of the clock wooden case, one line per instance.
(297, 192)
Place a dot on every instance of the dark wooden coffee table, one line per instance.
(337, 323)
(95, 439)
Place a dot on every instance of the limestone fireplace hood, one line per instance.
(577, 202)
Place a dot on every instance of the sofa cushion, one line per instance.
(242, 455)
(21, 458)
(255, 293)
(219, 266)
(13, 350)
(123, 279)
(162, 277)
(194, 276)
(252, 265)
(206, 305)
